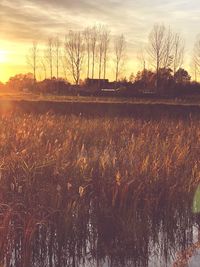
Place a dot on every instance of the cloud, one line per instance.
(28, 19)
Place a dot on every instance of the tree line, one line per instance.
(94, 52)
(90, 52)
(82, 51)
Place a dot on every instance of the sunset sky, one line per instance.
(23, 21)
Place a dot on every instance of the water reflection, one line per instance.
(93, 231)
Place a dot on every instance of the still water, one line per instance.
(97, 233)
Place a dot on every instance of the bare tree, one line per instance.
(57, 44)
(106, 41)
(32, 58)
(49, 55)
(64, 66)
(178, 52)
(196, 58)
(100, 48)
(119, 54)
(195, 72)
(87, 37)
(75, 47)
(160, 48)
(141, 56)
(156, 48)
(44, 67)
(93, 47)
(194, 68)
(168, 48)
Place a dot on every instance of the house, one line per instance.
(96, 83)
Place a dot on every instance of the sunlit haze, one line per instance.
(25, 21)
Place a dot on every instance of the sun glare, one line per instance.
(3, 56)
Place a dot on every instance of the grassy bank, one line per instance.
(92, 109)
(145, 99)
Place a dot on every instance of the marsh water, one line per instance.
(98, 234)
(62, 206)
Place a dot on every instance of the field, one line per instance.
(74, 188)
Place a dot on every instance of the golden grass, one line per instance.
(58, 171)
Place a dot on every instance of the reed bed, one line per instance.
(104, 187)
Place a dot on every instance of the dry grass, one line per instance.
(68, 180)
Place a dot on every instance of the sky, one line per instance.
(24, 21)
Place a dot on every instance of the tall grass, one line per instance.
(74, 188)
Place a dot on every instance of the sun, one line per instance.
(3, 56)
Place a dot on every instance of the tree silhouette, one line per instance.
(75, 48)
(57, 44)
(178, 52)
(181, 76)
(50, 54)
(21, 81)
(87, 37)
(93, 47)
(33, 58)
(119, 54)
(106, 41)
(196, 57)
(160, 48)
(100, 47)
